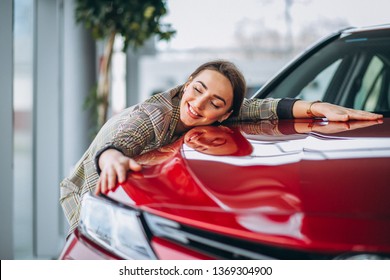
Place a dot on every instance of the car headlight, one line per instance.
(117, 229)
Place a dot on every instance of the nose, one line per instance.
(200, 102)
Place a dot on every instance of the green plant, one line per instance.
(135, 20)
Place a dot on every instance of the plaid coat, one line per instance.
(134, 131)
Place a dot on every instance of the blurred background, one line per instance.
(50, 63)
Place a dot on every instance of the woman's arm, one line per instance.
(306, 109)
(117, 144)
(286, 108)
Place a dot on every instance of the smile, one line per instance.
(192, 111)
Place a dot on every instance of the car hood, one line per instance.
(323, 189)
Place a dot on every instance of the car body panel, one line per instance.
(304, 201)
(78, 247)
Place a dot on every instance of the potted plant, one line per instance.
(135, 20)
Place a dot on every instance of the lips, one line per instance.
(192, 112)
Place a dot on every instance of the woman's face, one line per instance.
(207, 98)
(212, 140)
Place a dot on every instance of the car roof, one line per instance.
(366, 28)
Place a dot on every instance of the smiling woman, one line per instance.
(213, 93)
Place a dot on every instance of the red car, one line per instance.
(293, 189)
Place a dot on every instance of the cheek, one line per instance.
(187, 94)
(214, 116)
(183, 100)
(187, 97)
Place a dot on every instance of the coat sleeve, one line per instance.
(257, 109)
(266, 109)
(146, 124)
(129, 132)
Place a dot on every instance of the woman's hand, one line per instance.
(338, 113)
(331, 112)
(114, 167)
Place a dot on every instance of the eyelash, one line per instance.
(198, 91)
(195, 88)
(215, 106)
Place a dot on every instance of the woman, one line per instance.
(213, 93)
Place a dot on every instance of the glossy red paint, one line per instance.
(78, 247)
(315, 196)
(170, 251)
(308, 192)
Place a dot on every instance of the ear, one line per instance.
(225, 116)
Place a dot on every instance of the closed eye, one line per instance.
(196, 89)
(216, 106)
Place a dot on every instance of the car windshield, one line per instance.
(352, 71)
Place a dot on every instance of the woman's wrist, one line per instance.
(307, 109)
(310, 111)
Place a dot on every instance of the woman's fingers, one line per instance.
(338, 113)
(121, 172)
(363, 115)
(101, 185)
(133, 165)
(111, 179)
(107, 181)
(115, 171)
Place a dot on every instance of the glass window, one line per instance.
(23, 129)
(316, 88)
(368, 95)
(352, 72)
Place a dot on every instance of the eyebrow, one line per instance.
(214, 95)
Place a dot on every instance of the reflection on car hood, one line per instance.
(314, 188)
